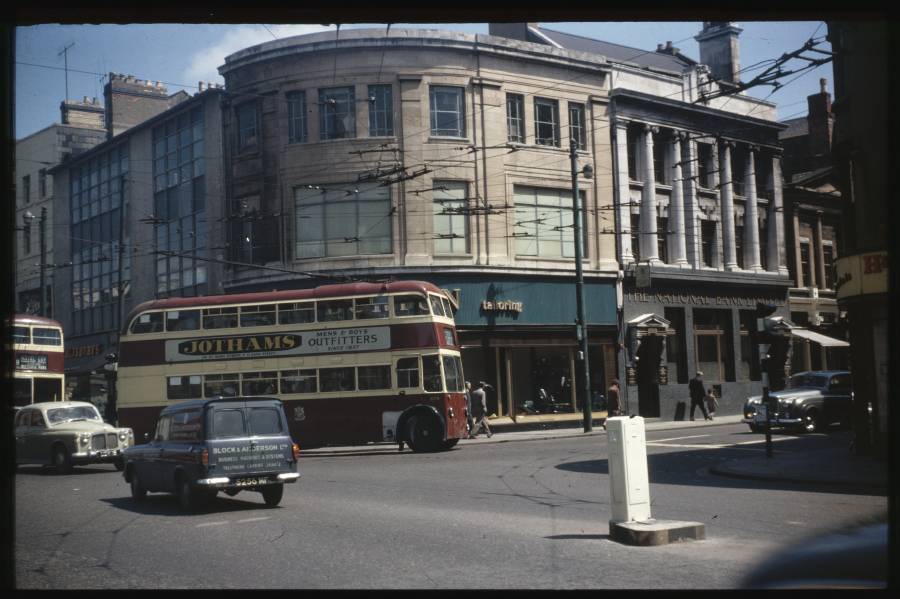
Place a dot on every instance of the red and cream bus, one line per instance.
(353, 363)
(37, 347)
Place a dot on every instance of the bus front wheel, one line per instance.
(422, 433)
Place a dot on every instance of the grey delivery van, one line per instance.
(201, 447)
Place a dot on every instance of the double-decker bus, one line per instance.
(37, 347)
(352, 363)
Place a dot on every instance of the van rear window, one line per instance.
(264, 421)
(228, 423)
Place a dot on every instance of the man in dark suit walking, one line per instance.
(698, 395)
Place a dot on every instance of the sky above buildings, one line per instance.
(180, 56)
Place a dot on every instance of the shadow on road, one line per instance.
(76, 471)
(693, 467)
(164, 504)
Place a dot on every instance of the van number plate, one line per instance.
(250, 482)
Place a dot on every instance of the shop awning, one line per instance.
(823, 340)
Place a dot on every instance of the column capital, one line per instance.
(727, 143)
(648, 128)
(754, 148)
(680, 135)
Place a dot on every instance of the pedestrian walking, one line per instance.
(470, 420)
(479, 407)
(712, 402)
(698, 395)
(613, 402)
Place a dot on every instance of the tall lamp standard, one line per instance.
(27, 219)
(584, 383)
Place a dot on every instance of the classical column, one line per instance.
(623, 192)
(751, 214)
(691, 203)
(776, 249)
(726, 193)
(677, 241)
(648, 237)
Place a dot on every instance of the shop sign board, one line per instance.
(862, 274)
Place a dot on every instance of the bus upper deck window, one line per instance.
(410, 305)
(220, 318)
(182, 320)
(42, 336)
(21, 335)
(371, 307)
(335, 310)
(150, 322)
(297, 313)
(258, 316)
(436, 306)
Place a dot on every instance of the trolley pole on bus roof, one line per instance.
(584, 382)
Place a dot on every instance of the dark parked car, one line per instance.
(205, 446)
(811, 402)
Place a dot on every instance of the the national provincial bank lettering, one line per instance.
(698, 300)
(279, 344)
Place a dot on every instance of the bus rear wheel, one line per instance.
(422, 433)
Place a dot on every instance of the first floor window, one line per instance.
(246, 126)
(381, 111)
(342, 220)
(451, 230)
(704, 165)
(337, 112)
(662, 236)
(546, 122)
(544, 222)
(739, 245)
(708, 242)
(515, 118)
(576, 125)
(828, 264)
(297, 127)
(635, 225)
(448, 111)
(805, 263)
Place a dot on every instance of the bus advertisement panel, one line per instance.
(353, 363)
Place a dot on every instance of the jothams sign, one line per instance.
(279, 344)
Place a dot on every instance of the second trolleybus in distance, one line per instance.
(353, 363)
(39, 354)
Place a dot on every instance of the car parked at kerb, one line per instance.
(201, 447)
(811, 402)
(65, 433)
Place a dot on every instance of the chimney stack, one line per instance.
(719, 50)
(820, 120)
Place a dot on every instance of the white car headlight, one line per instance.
(84, 438)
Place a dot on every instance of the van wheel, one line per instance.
(188, 498)
(422, 433)
(272, 494)
(138, 492)
(62, 461)
(119, 463)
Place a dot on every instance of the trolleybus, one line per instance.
(37, 347)
(352, 363)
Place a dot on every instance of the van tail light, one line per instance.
(204, 457)
(296, 451)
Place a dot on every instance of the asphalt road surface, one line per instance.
(530, 514)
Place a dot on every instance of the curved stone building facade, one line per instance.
(439, 156)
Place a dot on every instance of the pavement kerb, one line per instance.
(510, 436)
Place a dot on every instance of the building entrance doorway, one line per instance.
(649, 356)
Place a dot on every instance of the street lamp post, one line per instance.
(43, 233)
(584, 384)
